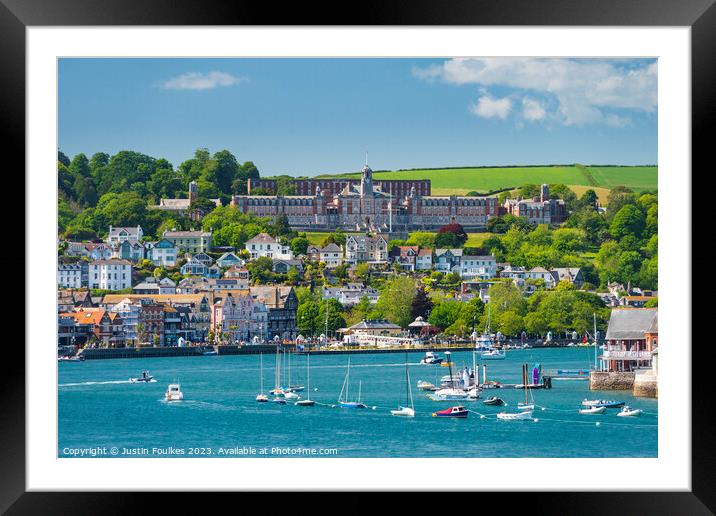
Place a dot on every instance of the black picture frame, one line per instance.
(16, 15)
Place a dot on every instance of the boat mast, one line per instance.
(594, 314)
(308, 375)
(261, 367)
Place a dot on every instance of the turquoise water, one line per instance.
(99, 410)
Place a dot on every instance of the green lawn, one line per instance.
(476, 239)
(461, 181)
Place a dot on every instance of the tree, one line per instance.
(362, 272)
(334, 312)
(629, 220)
(445, 314)
(618, 197)
(506, 297)
(306, 317)
(396, 300)
(260, 269)
(510, 323)
(422, 304)
(450, 236)
(299, 245)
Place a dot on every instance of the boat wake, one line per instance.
(93, 383)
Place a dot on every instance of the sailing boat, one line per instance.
(343, 400)
(308, 402)
(288, 393)
(525, 408)
(407, 411)
(484, 341)
(261, 397)
(291, 387)
(526, 405)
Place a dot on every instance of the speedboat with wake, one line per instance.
(145, 378)
(431, 358)
(493, 354)
(457, 411)
(174, 392)
(73, 358)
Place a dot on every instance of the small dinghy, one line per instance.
(261, 398)
(280, 401)
(494, 401)
(173, 393)
(145, 378)
(290, 395)
(593, 410)
(403, 411)
(457, 411)
(514, 416)
(629, 412)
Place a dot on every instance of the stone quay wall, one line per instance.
(646, 385)
(611, 381)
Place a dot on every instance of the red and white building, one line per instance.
(632, 337)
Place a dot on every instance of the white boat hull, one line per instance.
(506, 416)
(403, 411)
(593, 410)
(629, 413)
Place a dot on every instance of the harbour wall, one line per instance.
(611, 381)
(646, 385)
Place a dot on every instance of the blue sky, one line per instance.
(312, 116)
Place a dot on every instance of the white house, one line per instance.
(110, 274)
(264, 245)
(424, 260)
(482, 267)
(229, 260)
(72, 275)
(163, 253)
(124, 234)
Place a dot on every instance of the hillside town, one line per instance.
(408, 287)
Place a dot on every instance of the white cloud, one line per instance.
(532, 109)
(585, 90)
(487, 107)
(201, 81)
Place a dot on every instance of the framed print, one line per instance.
(418, 253)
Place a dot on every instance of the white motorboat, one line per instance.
(431, 358)
(514, 416)
(290, 396)
(173, 392)
(493, 354)
(525, 406)
(629, 412)
(449, 394)
(145, 378)
(593, 410)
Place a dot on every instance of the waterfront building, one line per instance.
(110, 274)
(189, 241)
(282, 305)
(264, 245)
(630, 340)
(117, 235)
(73, 275)
(239, 317)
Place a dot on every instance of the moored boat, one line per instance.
(603, 403)
(593, 410)
(308, 402)
(627, 411)
(457, 411)
(493, 401)
(514, 416)
(426, 386)
(407, 410)
(493, 354)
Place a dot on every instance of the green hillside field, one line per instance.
(459, 181)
